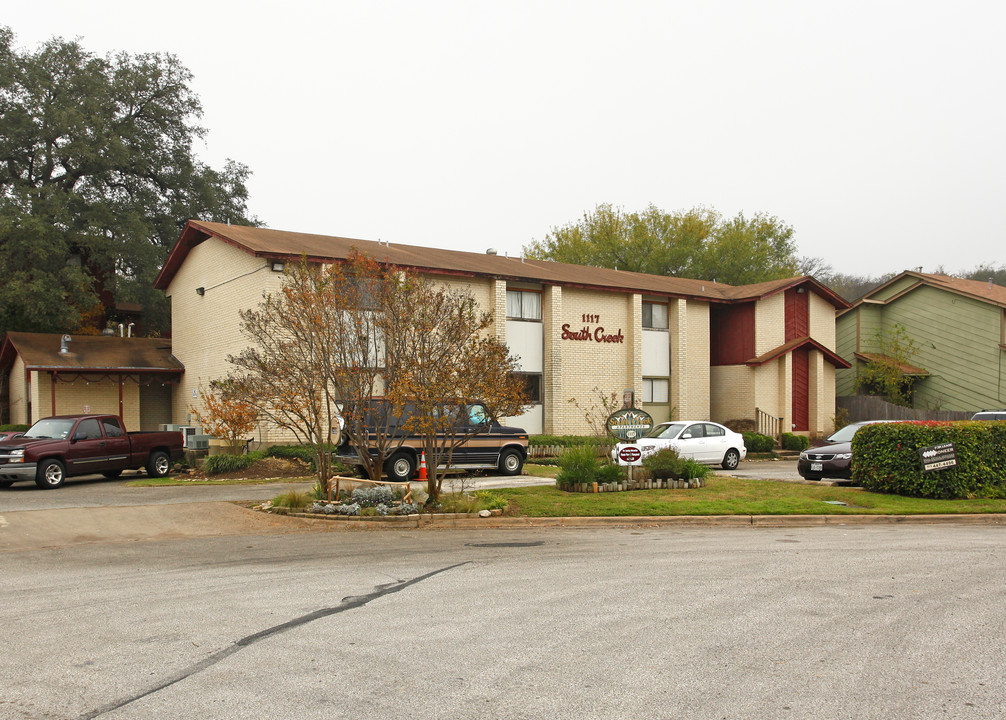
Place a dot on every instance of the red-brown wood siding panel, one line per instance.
(801, 388)
(732, 334)
(797, 314)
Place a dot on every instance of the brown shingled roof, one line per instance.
(830, 355)
(978, 289)
(904, 367)
(278, 244)
(89, 353)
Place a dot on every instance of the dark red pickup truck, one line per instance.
(56, 448)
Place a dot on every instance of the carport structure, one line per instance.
(52, 374)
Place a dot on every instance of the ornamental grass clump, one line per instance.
(292, 500)
(578, 464)
(219, 464)
(692, 469)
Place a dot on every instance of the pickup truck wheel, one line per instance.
(50, 474)
(112, 474)
(400, 467)
(511, 462)
(158, 464)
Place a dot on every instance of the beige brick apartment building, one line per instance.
(688, 348)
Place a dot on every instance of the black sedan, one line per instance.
(833, 460)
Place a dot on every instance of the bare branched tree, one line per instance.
(444, 363)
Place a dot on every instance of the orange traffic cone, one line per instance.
(422, 466)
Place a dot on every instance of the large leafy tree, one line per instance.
(97, 177)
(698, 243)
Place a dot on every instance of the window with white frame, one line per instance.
(655, 316)
(523, 305)
(656, 390)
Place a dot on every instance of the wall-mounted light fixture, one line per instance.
(278, 265)
(200, 291)
(801, 291)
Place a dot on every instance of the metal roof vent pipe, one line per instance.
(491, 251)
(63, 348)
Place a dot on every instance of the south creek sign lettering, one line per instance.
(629, 424)
(586, 332)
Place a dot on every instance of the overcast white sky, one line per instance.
(875, 128)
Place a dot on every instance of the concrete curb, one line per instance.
(463, 521)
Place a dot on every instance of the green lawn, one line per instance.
(732, 496)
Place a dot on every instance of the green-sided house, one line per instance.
(957, 327)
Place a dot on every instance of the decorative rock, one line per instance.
(485, 513)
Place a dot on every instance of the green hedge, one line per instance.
(13, 428)
(789, 441)
(567, 440)
(886, 459)
(758, 443)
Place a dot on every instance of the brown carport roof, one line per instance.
(272, 244)
(90, 353)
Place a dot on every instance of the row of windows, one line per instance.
(526, 305)
(655, 390)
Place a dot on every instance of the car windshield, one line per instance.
(845, 434)
(667, 431)
(51, 428)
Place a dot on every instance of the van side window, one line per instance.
(477, 415)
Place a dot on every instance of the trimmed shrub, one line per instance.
(13, 428)
(758, 443)
(886, 459)
(664, 464)
(609, 472)
(790, 441)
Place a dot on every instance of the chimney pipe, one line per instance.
(63, 349)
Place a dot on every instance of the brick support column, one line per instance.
(554, 408)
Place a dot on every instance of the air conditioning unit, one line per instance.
(188, 432)
(197, 442)
(169, 428)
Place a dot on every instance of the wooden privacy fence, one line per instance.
(871, 407)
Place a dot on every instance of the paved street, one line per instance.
(648, 622)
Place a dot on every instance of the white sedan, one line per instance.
(703, 441)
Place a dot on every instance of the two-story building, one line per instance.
(687, 348)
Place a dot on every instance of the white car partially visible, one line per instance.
(706, 442)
